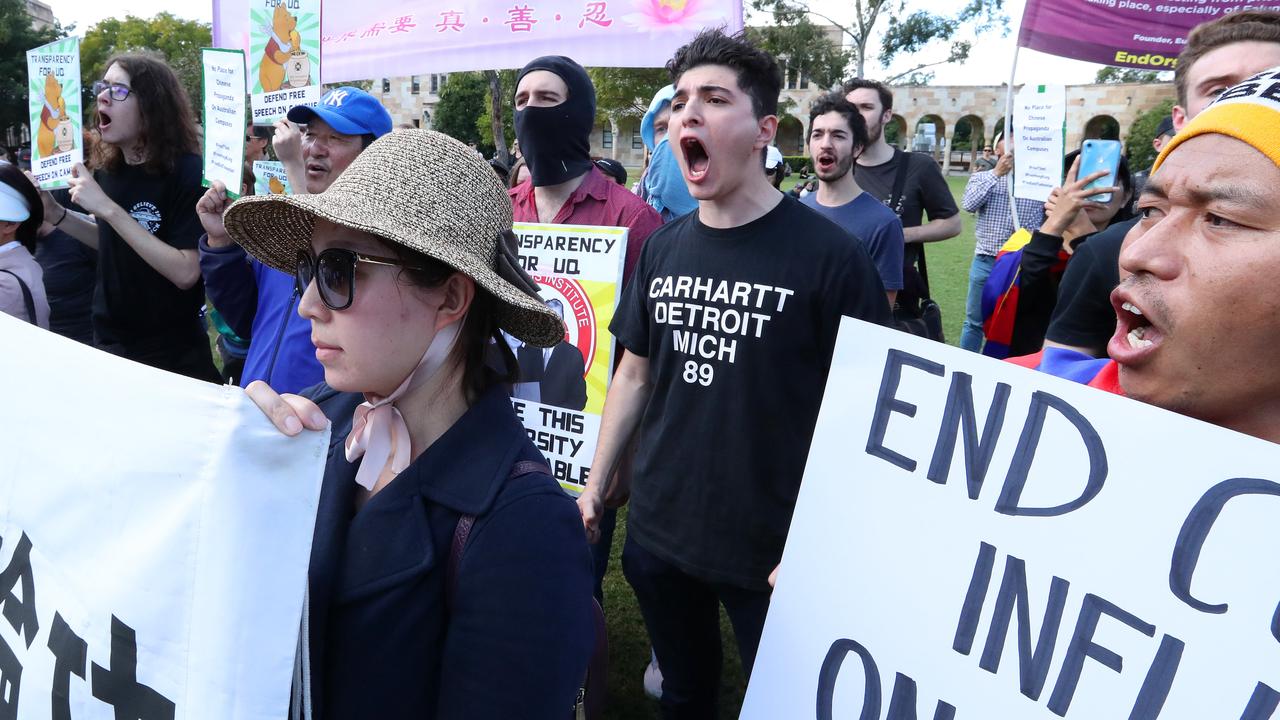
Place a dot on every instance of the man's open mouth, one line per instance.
(317, 168)
(1137, 335)
(696, 157)
(826, 161)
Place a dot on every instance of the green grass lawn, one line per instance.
(628, 644)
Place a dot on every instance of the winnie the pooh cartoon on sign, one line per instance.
(283, 43)
(53, 114)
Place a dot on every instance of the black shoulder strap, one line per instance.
(27, 300)
(899, 181)
(463, 530)
(900, 184)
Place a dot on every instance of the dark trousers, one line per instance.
(682, 614)
(601, 550)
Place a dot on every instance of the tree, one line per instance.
(1126, 75)
(906, 34)
(1143, 130)
(177, 40)
(497, 120)
(462, 100)
(624, 92)
(804, 50)
(15, 40)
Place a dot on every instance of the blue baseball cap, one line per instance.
(348, 110)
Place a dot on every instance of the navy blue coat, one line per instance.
(383, 642)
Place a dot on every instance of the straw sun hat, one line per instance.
(420, 189)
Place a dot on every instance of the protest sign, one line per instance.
(996, 543)
(560, 395)
(1039, 127)
(1128, 33)
(407, 37)
(53, 89)
(270, 178)
(224, 118)
(284, 55)
(155, 533)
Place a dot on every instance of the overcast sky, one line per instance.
(988, 64)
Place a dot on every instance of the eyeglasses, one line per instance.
(118, 92)
(334, 271)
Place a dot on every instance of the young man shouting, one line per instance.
(837, 135)
(1195, 312)
(728, 325)
(142, 203)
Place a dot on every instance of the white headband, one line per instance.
(13, 206)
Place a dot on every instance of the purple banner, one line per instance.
(364, 40)
(1146, 34)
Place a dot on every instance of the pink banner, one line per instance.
(391, 38)
(1146, 34)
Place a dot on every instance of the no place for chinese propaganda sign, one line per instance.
(408, 37)
(977, 540)
(283, 46)
(154, 539)
(559, 394)
(53, 90)
(224, 118)
(1145, 34)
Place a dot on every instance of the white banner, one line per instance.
(560, 396)
(155, 533)
(977, 540)
(1039, 121)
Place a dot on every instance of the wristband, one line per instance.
(64, 217)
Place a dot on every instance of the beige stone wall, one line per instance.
(986, 103)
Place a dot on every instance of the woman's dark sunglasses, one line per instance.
(118, 92)
(334, 271)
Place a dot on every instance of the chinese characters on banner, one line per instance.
(224, 118)
(978, 540)
(406, 37)
(154, 544)
(53, 89)
(559, 395)
(284, 56)
(1128, 33)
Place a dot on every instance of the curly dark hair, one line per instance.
(835, 102)
(168, 127)
(27, 230)
(757, 72)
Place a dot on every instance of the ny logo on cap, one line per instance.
(336, 98)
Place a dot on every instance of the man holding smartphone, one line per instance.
(987, 195)
(1217, 55)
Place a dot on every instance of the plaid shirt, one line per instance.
(987, 194)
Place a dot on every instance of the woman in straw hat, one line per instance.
(449, 573)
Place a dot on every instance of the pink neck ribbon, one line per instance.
(379, 434)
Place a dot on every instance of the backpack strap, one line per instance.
(895, 204)
(462, 531)
(27, 299)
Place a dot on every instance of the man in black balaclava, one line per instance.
(555, 113)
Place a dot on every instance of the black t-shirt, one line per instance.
(925, 192)
(738, 326)
(136, 311)
(70, 270)
(1084, 316)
